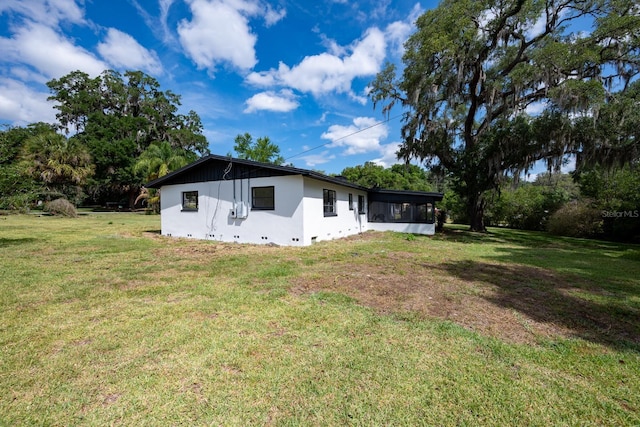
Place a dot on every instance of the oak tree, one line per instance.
(473, 69)
(117, 117)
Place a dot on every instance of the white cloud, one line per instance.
(27, 74)
(282, 101)
(219, 32)
(389, 156)
(323, 118)
(48, 52)
(23, 105)
(398, 32)
(273, 16)
(263, 79)
(123, 51)
(165, 6)
(332, 46)
(158, 25)
(49, 12)
(313, 160)
(333, 71)
(326, 72)
(363, 136)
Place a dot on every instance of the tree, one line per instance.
(18, 189)
(614, 194)
(610, 138)
(117, 117)
(13, 138)
(397, 177)
(62, 165)
(529, 205)
(262, 150)
(473, 67)
(161, 158)
(158, 160)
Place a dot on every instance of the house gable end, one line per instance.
(218, 169)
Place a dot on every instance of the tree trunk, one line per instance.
(476, 212)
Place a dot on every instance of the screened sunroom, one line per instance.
(403, 208)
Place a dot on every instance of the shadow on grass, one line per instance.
(596, 259)
(586, 286)
(461, 234)
(14, 242)
(569, 302)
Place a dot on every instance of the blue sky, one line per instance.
(295, 71)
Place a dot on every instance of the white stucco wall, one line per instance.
(213, 220)
(415, 228)
(347, 222)
(298, 218)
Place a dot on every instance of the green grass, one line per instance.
(104, 322)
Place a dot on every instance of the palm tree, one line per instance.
(157, 160)
(63, 165)
(160, 158)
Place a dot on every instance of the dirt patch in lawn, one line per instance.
(516, 303)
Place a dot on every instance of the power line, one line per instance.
(343, 137)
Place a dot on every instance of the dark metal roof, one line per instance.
(402, 195)
(249, 168)
(214, 167)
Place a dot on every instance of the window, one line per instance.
(431, 214)
(361, 205)
(262, 198)
(350, 201)
(407, 212)
(329, 201)
(189, 200)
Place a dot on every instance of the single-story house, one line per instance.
(235, 200)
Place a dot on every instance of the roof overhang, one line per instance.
(173, 177)
(374, 194)
(403, 196)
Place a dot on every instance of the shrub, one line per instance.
(576, 219)
(61, 207)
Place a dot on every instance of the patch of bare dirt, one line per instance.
(516, 303)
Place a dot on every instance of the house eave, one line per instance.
(284, 170)
(405, 195)
(373, 193)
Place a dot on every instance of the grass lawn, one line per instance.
(105, 322)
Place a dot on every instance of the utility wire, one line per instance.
(343, 137)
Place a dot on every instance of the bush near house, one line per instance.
(576, 219)
(61, 207)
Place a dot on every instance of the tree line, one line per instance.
(113, 133)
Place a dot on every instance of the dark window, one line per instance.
(407, 212)
(262, 198)
(189, 200)
(329, 202)
(361, 205)
(350, 201)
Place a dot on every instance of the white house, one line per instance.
(234, 200)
